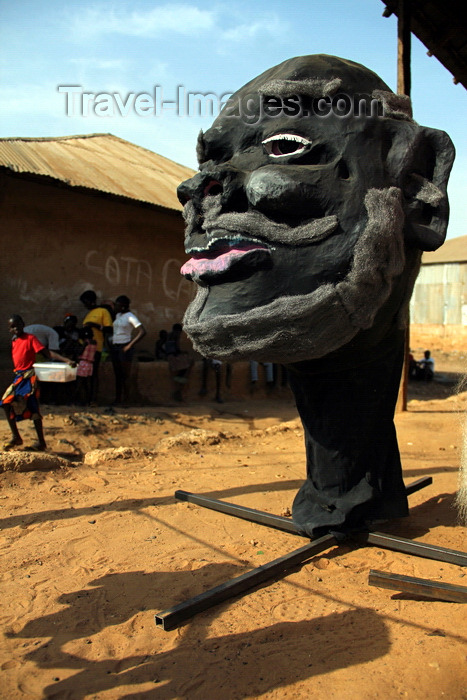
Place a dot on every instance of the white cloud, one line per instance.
(273, 27)
(96, 74)
(103, 19)
(30, 100)
(40, 110)
(99, 64)
(155, 72)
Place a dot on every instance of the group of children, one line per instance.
(81, 348)
(78, 345)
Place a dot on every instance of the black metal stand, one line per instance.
(172, 617)
(418, 586)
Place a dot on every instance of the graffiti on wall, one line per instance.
(130, 272)
(133, 272)
(160, 296)
(120, 271)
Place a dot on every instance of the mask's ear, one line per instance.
(419, 161)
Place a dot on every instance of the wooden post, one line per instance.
(403, 88)
(403, 48)
(401, 404)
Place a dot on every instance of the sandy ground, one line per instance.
(94, 544)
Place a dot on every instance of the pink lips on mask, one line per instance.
(209, 263)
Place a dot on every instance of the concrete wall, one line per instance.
(57, 241)
(151, 384)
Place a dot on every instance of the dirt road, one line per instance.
(93, 548)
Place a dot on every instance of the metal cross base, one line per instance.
(173, 617)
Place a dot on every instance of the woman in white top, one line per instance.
(123, 341)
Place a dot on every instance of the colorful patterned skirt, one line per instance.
(85, 368)
(22, 397)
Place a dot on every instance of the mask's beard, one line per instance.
(309, 326)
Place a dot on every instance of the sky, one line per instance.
(74, 67)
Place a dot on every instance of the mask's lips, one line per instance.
(227, 257)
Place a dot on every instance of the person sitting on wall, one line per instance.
(216, 366)
(426, 367)
(268, 370)
(21, 400)
(160, 345)
(413, 366)
(179, 362)
(100, 320)
(123, 342)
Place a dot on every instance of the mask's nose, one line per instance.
(225, 181)
(197, 187)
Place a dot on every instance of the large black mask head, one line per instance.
(316, 194)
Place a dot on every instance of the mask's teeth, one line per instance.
(232, 241)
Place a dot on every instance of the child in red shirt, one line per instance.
(21, 400)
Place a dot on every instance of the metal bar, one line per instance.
(261, 517)
(257, 516)
(418, 586)
(420, 549)
(418, 484)
(172, 617)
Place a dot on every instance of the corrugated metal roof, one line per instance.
(453, 250)
(102, 162)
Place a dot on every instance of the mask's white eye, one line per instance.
(285, 145)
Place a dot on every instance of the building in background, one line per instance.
(89, 212)
(438, 309)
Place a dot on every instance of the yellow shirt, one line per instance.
(103, 318)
